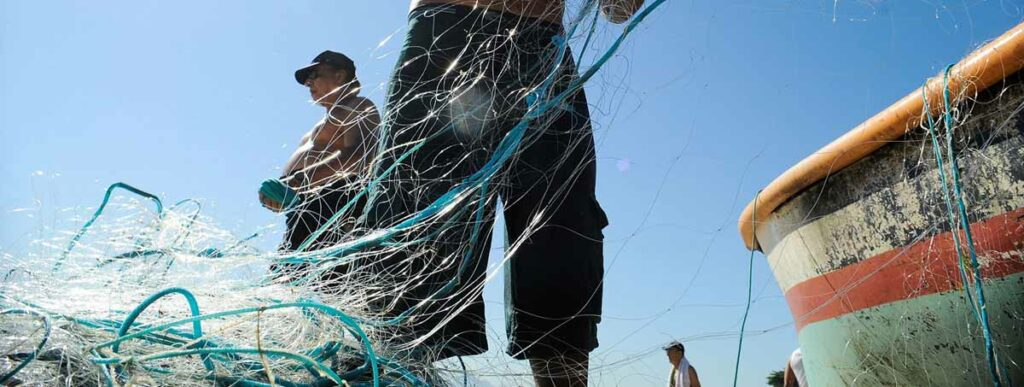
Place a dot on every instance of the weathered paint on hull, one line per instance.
(883, 345)
(869, 269)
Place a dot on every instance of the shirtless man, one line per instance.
(320, 173)
(462, 81)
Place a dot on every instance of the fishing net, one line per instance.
(145, 293)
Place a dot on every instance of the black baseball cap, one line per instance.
(335, 59)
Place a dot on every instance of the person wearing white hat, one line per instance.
(683, 374)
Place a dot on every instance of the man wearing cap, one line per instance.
(683, 374)
(322, 174)
(466, 76)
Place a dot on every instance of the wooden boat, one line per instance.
(860, 239)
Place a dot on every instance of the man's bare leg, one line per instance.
(565, 371)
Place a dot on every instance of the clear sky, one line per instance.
(706, 103)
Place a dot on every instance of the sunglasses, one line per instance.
(313, 74)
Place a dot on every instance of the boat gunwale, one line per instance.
(981, 69)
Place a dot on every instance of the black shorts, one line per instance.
(312, 212)
(462, 82)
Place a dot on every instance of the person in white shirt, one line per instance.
(683, 374)
(795, 376)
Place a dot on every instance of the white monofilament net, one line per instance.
(147, 294)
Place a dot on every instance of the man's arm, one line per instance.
(297, 159)
(618, 11)
(337, 147)
(694, 381)
(290, 168)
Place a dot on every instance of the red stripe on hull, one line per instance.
(927, 267)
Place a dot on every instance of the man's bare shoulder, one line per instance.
(353, 105)
(363, 104)
(365, 111)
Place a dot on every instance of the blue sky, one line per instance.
(705, 104)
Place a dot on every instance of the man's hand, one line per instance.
(269, 203)
(276, 196)
(618, 11)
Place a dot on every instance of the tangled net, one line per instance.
(148, 295)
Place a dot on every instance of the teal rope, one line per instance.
(207, 351)
(465, 374)
(750, 286)
(107, 377)
(103, 205)
(344, 209)
(965, 223)
(193, 306)
(342, 317)
(32, 356)
(937, 150)
(403, 373)
(590, 34)
(319, 354)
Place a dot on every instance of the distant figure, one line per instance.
(795, 376)
(683, 374)
(318, 178)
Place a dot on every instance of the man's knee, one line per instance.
(567, 370)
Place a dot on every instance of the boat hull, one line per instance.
(868, 264)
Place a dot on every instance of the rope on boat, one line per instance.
(980, 310)
(746, 309)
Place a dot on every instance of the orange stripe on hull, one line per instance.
(926, 267)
